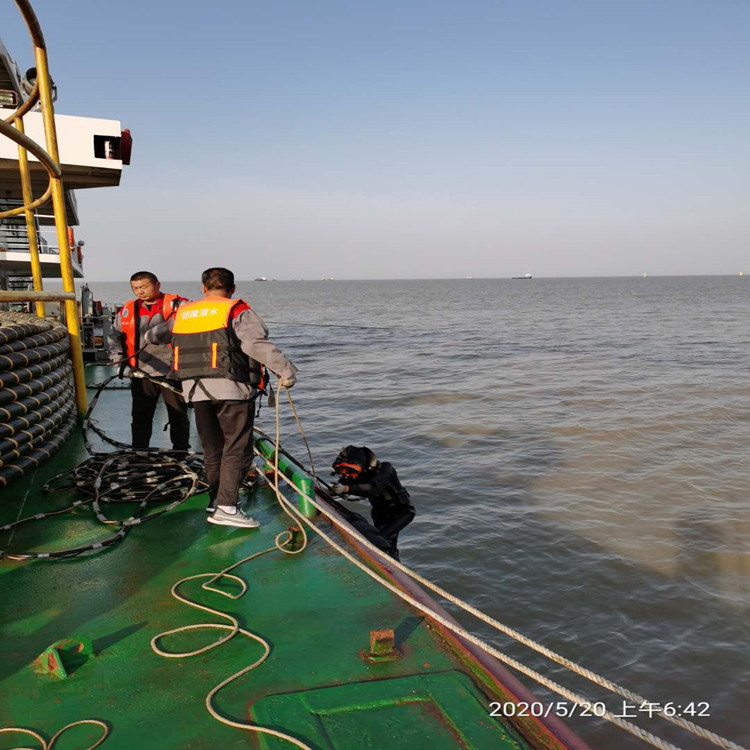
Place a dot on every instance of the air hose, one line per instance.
(37, 406)
(161, 479)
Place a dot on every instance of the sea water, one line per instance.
(578, 451)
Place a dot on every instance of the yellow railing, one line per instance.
(12, 127)
(36, 296)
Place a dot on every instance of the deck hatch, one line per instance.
(432, 710)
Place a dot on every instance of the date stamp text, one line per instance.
(625, 710)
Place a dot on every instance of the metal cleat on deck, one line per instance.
(382, 647)
(62, 658)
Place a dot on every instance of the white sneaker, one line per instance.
(240, 520)
(210, 508)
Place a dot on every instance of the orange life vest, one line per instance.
(129, 316)
(204, 344)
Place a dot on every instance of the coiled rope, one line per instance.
(281, 542)
(123, 477)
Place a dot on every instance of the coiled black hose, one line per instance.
(167, 478)
(156, 481)
(37, 414)
(37, 403)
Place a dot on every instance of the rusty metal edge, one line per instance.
(556, 733)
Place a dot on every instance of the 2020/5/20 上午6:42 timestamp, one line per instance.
(624, 711)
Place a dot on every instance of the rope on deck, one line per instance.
(233, 627)
(49, 745)
(281, 543)
(651, 739)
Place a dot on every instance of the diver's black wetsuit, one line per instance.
(391, 508)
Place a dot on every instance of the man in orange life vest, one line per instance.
(128, 348)
(219, 346)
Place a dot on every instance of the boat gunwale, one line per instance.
(550, 730)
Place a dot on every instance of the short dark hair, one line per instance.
(144, 275)
(217, 278)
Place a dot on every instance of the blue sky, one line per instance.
(408, 139)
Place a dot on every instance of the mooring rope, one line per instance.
(572, 666)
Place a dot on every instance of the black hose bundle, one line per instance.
(38, 413)
(161, 479)
(37, 402)
(141, 477)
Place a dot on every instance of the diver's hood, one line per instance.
(354, 459)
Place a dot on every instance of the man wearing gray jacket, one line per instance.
(219, 349)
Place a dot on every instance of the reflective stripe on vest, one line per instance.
(205, 345)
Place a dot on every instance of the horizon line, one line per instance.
(436, 278)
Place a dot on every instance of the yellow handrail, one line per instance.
(27, 296)
(36, 265)
(27, 105)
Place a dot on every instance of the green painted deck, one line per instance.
(315, 609)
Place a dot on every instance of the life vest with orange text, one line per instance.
(204, 344)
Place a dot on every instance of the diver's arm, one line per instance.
(377, 481)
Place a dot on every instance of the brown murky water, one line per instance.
(578, 450)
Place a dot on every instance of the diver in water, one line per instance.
(363, 475)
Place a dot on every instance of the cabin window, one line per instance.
(8, 98)
(107, 147)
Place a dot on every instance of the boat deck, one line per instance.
(315, 609)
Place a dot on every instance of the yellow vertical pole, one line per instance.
(61, 224)
(36, 266)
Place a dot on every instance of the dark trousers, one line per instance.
(145, 395)
(390, 521)
(226, 433)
